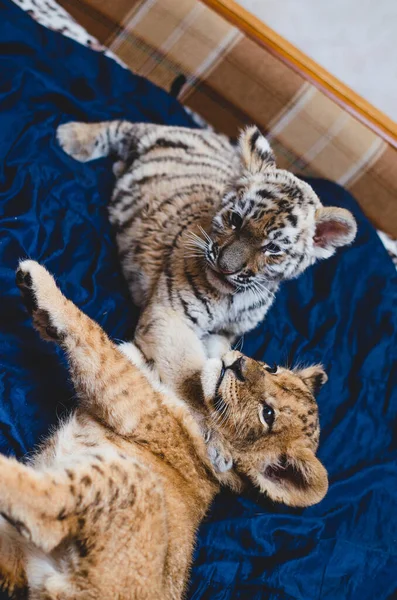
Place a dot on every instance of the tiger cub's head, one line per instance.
(271, 225)
(267, 418)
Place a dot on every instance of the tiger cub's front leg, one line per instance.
(178, 355)
(107, 382)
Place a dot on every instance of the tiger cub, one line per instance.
(109, 506)
(206, 231)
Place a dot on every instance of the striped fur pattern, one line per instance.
(206, 230)
(109, 506)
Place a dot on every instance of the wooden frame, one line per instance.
(256, 30)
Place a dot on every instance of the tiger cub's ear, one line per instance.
(256, 153)
(335, 227)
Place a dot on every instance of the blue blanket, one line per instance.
(341, 312)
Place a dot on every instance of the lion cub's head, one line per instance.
(268, 418)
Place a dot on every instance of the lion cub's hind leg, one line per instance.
(93, 507)
(44, 506)
(12, 567)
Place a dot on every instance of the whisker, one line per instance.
(239, 344)
(196, 248)
(205, 234)
(260, 292)
(260, 282)
(267, 291)
(225, 415)
(222, 413)
(234, 421)
(256, 292)
(224, 407)
(237, 290)
(196, 239)
(195, 236)
(214, 419)
(196, 244)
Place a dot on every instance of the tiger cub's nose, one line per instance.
(233, 258)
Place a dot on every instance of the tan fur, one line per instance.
(109, 506)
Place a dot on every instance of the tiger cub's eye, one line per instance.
(236, 220)
(272, 248)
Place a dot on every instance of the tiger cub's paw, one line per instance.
(216, 345)
(78, 140)
(41, 297)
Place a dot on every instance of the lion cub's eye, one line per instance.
(267, 415)
(272, 370)
(236, 220)
(272, 248)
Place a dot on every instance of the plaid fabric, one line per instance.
(231, 81)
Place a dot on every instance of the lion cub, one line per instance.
(109, 507)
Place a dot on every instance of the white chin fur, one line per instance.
(322, 253)
(210, 375)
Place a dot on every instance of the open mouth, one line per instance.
(220, 378)
(218, 402)
(236, 368)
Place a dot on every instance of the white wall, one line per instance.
(355, 40)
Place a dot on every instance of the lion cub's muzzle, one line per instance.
(235, 362)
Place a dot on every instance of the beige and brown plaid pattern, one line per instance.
(232, 81)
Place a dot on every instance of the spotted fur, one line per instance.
(206, 231)
(109, 506)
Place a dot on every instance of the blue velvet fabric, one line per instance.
(341, 312)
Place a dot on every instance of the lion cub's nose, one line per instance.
(230, 357)
(236, 363)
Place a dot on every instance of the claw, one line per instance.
(53, 333)
(25, 283)
(19, 276)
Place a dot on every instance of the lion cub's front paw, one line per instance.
(219, 456)
(25, 283)
(41, 297)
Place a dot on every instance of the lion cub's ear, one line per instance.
(256, 153)
(313, 377)
(296, 478)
